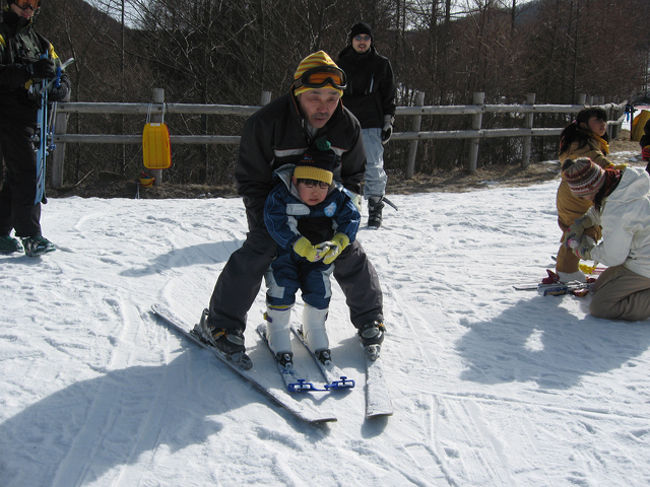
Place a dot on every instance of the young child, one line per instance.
(312, 221)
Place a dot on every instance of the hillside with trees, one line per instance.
(228, 52)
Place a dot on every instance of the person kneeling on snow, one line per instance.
(312, 221)
(621, 201)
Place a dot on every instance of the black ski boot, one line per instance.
(372, 336)
(375, 207)
(9, 245)
(37, 245)
(229, 341)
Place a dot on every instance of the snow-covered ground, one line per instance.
(491, 386)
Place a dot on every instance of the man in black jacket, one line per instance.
(370, 95)
(310, 116)
(26, 58)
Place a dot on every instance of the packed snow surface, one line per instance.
(490, 386)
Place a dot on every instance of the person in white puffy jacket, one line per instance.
(622, 208)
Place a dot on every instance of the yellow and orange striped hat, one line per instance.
(316, 71)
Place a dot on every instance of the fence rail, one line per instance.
(158, 108)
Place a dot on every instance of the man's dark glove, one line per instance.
(387, 129)
(59, 93)
(42, 69)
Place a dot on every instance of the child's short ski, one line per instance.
(290, 376)
(334, 376)
(300, 409)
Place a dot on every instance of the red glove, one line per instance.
(645, 153)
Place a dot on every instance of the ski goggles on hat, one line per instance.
(320, 76)
(25, 4)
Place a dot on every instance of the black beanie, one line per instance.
(360, 28)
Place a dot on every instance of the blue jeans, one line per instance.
(375, 179)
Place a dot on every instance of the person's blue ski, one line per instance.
(336, 380)
(290, 376)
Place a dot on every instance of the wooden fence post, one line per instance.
(528, 141)
(58, 158)
(413, 146)
(478, 99)
(158, 97)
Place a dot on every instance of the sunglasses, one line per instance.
(320, 76)
(362, 37)
(25, 4)
(312, 183)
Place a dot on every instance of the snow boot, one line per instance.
(9, 245)
(375, 207)
(313, 329)
(572, 276)
(372, 336)
(38, 245)
(229, 341)
(278, 333)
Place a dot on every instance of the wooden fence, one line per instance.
(155, 109)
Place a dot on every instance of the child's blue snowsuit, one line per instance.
(287, 219)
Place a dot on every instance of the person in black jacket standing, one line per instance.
(26, 57)
(309, 117)
(370, 95)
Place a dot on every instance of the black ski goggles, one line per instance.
(320, 76)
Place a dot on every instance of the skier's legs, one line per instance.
(375, 176)
(240, 281)
(20, 160)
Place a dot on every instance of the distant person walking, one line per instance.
(370, 96)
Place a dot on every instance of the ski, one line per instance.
(300, 409)
(378, 401)
(290, 376)
(551, 285)
(556, 288)
(334, 377)
(44, 127)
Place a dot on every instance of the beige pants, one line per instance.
(621, 294)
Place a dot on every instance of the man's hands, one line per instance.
(387, 129)
(42, 69)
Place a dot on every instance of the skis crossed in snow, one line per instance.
(377, 397)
